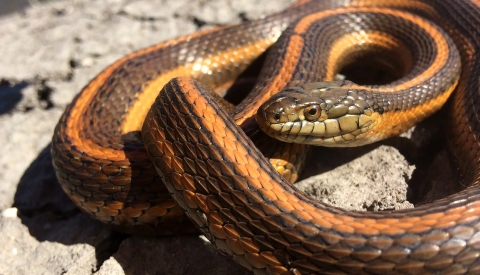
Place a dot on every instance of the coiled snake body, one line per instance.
(223, 182)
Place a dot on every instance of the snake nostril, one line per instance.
(276, 117)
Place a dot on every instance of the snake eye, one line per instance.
(276, 117)
(312, 112)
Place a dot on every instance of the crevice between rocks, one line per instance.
(108, 247)
(198, 22)
(44, 94)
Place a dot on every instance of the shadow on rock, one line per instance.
(325, 159)
(434, 177)
(50, 216)
(10, 95)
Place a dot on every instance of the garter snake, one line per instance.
(228, 188)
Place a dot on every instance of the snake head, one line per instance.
(320, 113)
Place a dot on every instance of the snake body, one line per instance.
(227, 187)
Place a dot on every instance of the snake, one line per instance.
(146, 147)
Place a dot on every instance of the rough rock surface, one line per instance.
(50, 51)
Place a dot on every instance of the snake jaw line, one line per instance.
(321, 113)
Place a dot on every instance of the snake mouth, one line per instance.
(322, 113)
(341, 131)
